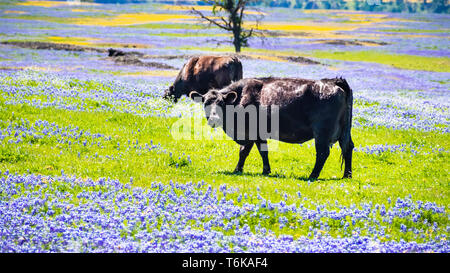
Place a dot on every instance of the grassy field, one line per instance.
(88, 161)
(121, 154)
(396, 173)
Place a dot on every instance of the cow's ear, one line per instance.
(196, 96)
(230, 97)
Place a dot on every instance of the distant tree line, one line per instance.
(434, 6)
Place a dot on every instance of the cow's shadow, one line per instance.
(276, 175)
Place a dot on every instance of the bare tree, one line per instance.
(229, 15)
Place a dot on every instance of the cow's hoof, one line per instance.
(313, 177)
(237, 171)
(347, 176)
(266, 172)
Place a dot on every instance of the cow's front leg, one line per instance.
(244, 151)
(264, 152)
(322, 153)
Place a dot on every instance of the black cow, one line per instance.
(307, 109)
(203, 73)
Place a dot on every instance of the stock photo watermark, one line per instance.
(240, 123)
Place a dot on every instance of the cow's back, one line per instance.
(285, 91)
(302, 103)
(219, 71)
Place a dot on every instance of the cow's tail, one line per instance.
(346, 138)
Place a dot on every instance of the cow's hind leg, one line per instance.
(243, 153)
(322, 153)
(347, 150)
(264, 152)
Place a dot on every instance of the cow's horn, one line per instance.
(232, 98)
(194, 94)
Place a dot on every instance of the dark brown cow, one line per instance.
(307, 109)
(204, 73)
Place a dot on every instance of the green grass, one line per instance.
(376, 177)
(436, 64)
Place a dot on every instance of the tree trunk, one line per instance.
(236, 32)
(237, 42)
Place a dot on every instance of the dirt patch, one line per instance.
(118, 56)
(53, 46)
(300, 59)
(373, 42)
(351, 42)
(134, 60)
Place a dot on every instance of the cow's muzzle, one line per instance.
(169, 97)
(214, 122)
